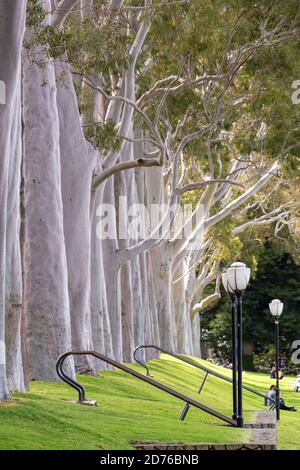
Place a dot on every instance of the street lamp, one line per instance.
(235, 281)
(276, 307)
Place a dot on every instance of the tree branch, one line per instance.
(198, 307)
(205, 302)
(202, 184)
(127, 165)
(241, 199)
(263, 220)
(62, 11)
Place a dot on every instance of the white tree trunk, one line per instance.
(127, 310)
(46, 285)
(195, 320)
(77, 166)
(12, 24)
(13, 279)
(162, 275)
(153, 313)
(182, 313)
(101, 330)
(112, 278)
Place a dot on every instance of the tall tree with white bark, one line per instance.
(125, 106)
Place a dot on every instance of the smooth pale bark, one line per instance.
(153, 194)
(101, 329)
(100, 321)
(12, 24)
(46, 275)
(139, 312)
(162, 269)
(139, 297)
(153, 318)
(127, 293)
(127, 310)
(151, 328)
(147, 333)
(24, 320)
(137, 315)
(13, 278)
(182, 312)
(112, 277)
(78, 160)
(61, 12)
(196, 332)
(147, 336)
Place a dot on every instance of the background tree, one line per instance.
(277, 276)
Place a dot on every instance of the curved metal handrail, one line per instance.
(65, 378)
(154, 383)
(191, 363)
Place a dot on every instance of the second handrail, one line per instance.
(192, 363)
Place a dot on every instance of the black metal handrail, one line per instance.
(149, 380)
(191, 363)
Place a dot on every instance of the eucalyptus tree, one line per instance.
(198, 99)
(154, 103)
(12, 25)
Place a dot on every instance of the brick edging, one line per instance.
(263, 437)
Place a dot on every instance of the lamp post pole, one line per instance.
(235, 280)
(234, 354)
(276, 307)
(277, 370)
(240, 419)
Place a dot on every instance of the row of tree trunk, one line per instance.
(61, 287)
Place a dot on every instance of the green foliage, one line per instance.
(96, 45)
(264, 359)
(228, 245)
(248, 363)
(190, 40)
(36, 14)
(103, 136)
(277, 276)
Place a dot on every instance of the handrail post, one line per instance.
(143, 364)
(187, 406)
(203, 383)
(69, 380)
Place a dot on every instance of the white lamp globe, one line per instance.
(276, 307)
(236, 278)
(226, 284)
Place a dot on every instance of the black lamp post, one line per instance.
(234, 353)
(276, 307)
(235, 281)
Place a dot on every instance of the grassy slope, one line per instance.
(131, 410)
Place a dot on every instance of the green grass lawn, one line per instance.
(129, 410)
